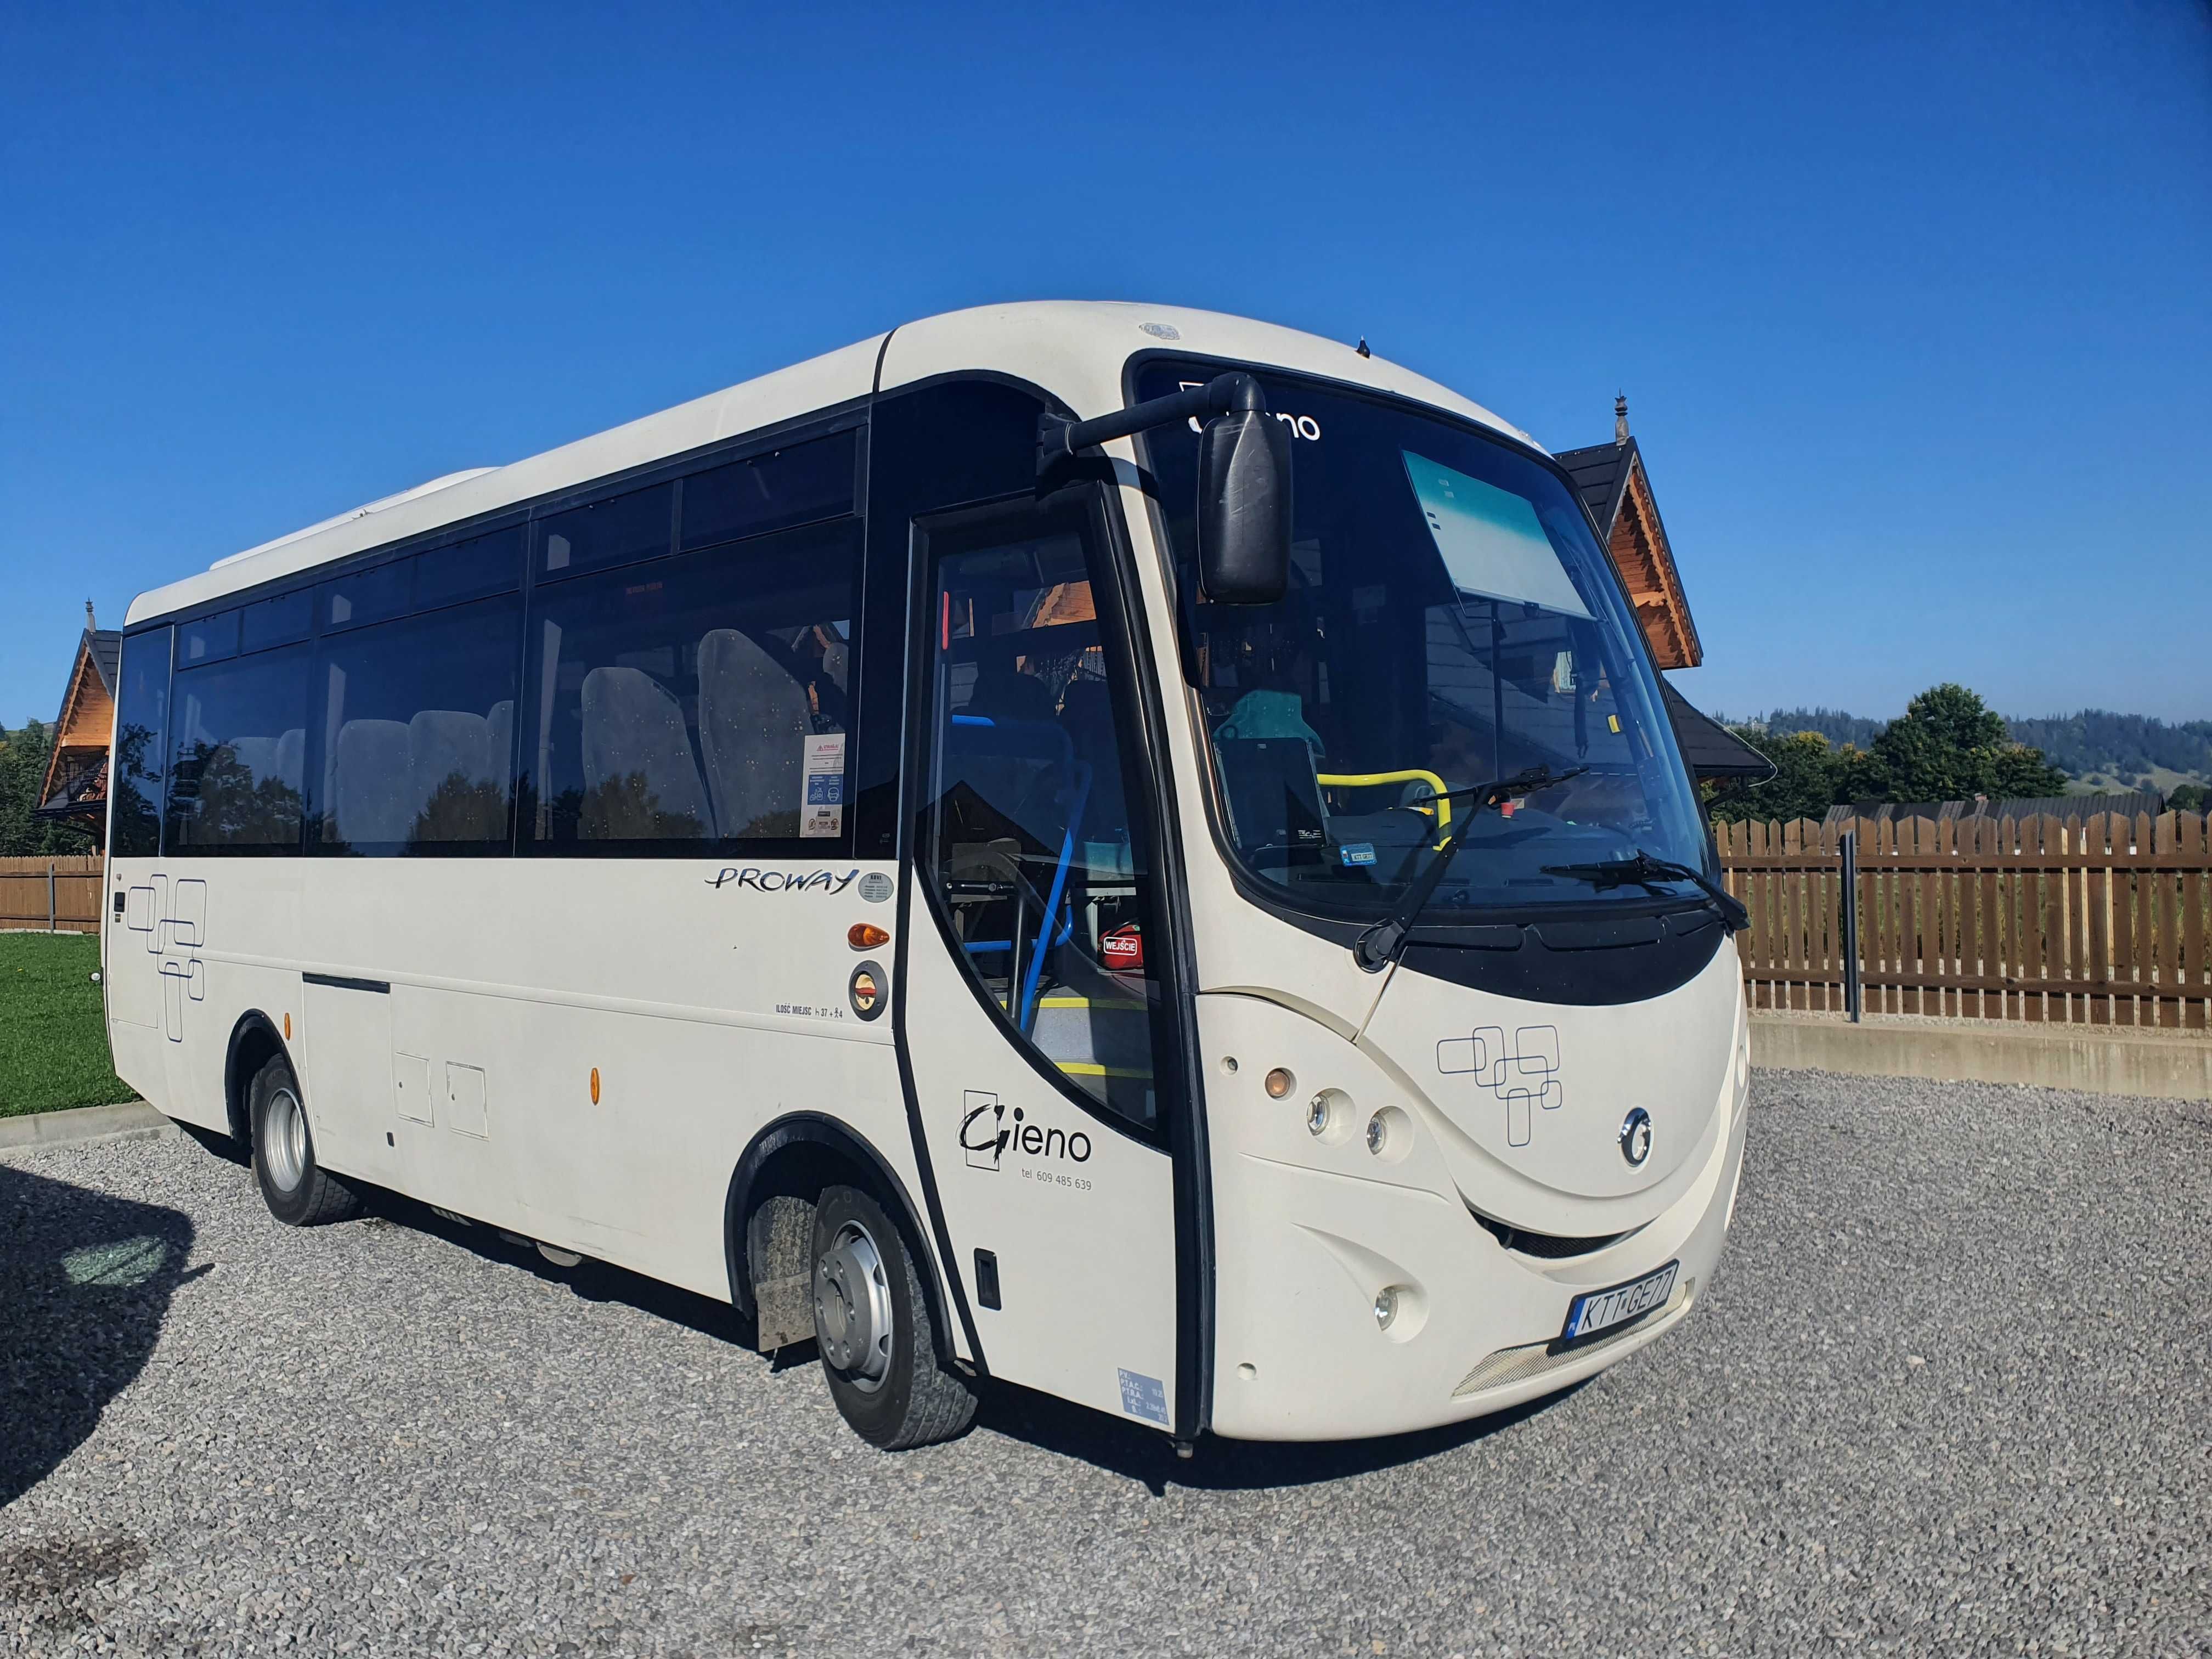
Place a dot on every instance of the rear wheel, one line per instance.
(872, 1325)
(298, 1191)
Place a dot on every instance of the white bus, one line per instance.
(1198, 911)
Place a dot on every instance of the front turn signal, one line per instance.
(866, 935)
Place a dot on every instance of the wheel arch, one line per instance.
(253, 1039)
(801, 1148)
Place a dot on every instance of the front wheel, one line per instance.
(872, 1325)
(299, 1192)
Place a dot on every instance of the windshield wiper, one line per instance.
(1644, 871)
(1380, 944)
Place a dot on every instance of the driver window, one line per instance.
(1027, 834)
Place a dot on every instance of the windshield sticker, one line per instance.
(823, 771)
(1490, 539)
(781, 881)
(1354, 853)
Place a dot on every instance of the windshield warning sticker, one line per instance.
(823, 772)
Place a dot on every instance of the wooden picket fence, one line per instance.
(2099, 920)
(73, 891)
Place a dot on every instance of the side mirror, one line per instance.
(1244, 508)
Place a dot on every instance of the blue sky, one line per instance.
(1911, 304)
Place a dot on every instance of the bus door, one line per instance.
(1031, 1002)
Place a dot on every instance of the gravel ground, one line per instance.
(1947, 1393)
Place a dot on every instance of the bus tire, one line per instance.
(872, 1324)
(299, 1192)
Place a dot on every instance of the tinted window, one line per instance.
(367, 596)
(237, 750)
(141, 702)
(208, 640)
(696, 701)
(469, 570)
(1450, 621)
(774, 491)
(628, 528)
(281, 620)
(417, 723)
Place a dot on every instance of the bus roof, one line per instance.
(1076, 350)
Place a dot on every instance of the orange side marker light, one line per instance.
(595, 1085)
(866, 935)
(287, 1028)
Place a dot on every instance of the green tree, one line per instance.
(1948, 745)
(22, 768)
(2190, 797)
(1808, 776)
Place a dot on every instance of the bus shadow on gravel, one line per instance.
(1038, 1419)
(590, 1279)
(85, 1283)
(1216, 1465)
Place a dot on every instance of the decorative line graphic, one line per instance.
(1525, 1077)
(173, 915)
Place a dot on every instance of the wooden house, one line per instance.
(75, 789)
(1616, 488)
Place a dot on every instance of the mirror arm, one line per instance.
(1059, 438)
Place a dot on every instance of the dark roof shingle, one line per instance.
(1709, 748)
(1600, 474)
(107, 655)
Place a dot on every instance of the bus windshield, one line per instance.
(1450, 620)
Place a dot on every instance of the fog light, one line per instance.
(1279, 1083)
(1317, 1115)
(1386, 1307)
(1378, 1134)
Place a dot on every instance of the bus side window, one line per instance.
(237, 752)
(417, 724)
(695, 702)
(141, 713)
(1039, 867)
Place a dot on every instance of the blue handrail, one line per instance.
(1052, 899)
(1077, 775)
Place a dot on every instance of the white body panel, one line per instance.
(491, 1000)
(533, 979)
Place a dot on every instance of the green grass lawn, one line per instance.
(53, 1041)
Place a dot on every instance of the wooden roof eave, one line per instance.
(1638, 546)
(63, 737)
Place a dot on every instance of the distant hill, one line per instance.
(1838, 727)
(2096, 748)
(2130, 749)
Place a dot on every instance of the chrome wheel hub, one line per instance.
(284, 1140)
(853, 1308)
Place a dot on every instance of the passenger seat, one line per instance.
(641, 779)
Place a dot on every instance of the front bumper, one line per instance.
(1302, 1252)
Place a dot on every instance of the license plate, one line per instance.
(1598, 1310)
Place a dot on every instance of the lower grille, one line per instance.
(1510, 1365)
(1552, 1247)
